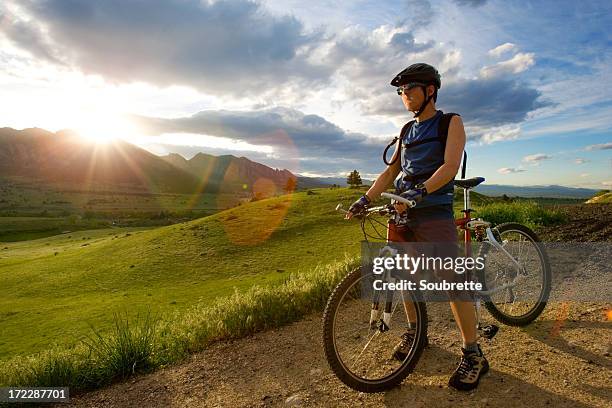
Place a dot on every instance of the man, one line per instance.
(427, 169)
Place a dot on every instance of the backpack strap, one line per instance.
(443, 135)
(443, 126)
(398, 139)
(406, 129)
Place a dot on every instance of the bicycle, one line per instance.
(358, 337)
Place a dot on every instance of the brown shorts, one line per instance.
(433, 232)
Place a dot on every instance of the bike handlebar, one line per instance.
(383, 209)
(409, 203)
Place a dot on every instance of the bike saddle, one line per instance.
(469, 183)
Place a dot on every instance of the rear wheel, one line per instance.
(521, 304)
(361, 353)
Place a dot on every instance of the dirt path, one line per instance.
(561, 360)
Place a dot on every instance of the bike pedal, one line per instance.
(489, 331)
(382, 326)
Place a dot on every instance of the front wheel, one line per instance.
(512, 301)
(359, 343)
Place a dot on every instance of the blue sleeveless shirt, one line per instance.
(422, 154)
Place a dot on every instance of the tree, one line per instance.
(291, 185)
(353, 179)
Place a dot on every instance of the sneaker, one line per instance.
(472, 366)
(403, 347)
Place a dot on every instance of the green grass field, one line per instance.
(56, 287)
(26, 198)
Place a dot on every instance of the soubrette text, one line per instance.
(425, 285)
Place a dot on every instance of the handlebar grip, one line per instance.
(409, 203)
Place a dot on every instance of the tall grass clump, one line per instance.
(128, 350)
(148, 342)
(257, 309)
(524, 212)
(96, 361)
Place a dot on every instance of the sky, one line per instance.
(305, 85)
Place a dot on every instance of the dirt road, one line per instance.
(561, 360)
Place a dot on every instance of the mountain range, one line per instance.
(65, 157)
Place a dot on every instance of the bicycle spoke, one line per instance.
(366, 346)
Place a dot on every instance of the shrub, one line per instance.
(524, 212)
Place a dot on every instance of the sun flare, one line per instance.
(106, 128)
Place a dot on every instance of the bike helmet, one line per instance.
(420, 73)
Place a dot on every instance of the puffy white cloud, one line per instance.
(230, 47)
(502, 49)
(510, 170)
(536, 158)
(519, 63)
(491, 134)
(601, 146)
(580, 160)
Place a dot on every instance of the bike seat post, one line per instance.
(477, 307)
(466, 198)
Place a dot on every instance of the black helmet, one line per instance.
(424, 74)
(419, 72)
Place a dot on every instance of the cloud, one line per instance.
(536, 158)
(580, 160)
(585, 174)
(607, 183)
(26, 36)
(501, 49)
(492, 134)
(601, 146)
(233, 47)
(471, 3)
(517, 64)
(510, 170)
(490, 101)
(292, 135)
(254, 53)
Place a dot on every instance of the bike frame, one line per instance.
(395, 233)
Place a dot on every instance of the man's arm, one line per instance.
(383, 181)
(385, 178)
(455, 143)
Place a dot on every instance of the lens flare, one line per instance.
(254, 226)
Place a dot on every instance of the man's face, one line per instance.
(413, 98)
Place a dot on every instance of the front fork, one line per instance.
(394, 234)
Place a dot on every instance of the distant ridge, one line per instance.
(64, 157)
(552, 191)
(229, 172)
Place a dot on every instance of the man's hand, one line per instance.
(416, 194)
(357, 207)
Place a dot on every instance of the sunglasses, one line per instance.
(405, 88)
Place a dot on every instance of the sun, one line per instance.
(105, 128)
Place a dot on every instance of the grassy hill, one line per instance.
(603, 196)
(54, 287)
